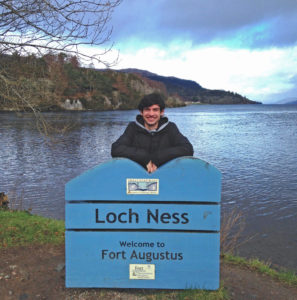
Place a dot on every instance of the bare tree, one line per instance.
(37, 26)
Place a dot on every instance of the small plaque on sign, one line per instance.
(137, 271)
(142, 186)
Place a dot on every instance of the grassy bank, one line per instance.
(20, 228)
(255, 264)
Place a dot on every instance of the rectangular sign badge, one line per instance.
(142, 271)
(142, 186)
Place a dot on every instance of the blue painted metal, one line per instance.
(175, 229)
(199, 267)
(182, 179)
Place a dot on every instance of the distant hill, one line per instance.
(191, 91)
(185, 88)
(292, 100)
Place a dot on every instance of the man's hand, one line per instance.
(151, 167)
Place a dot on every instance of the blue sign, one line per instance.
(126, 228)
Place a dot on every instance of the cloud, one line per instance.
(261, 23)
(243, 46)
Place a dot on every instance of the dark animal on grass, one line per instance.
(3, 200)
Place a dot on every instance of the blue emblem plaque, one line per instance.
(142, 186)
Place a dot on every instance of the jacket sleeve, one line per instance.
(123, 147)
(180, 146)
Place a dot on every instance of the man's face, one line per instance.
(151, 116)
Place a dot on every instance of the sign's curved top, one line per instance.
(182, 179)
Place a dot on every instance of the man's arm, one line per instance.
(180, 147)
(122, 147)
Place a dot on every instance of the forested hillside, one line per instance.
(58, 82)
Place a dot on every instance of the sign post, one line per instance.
(126, 228)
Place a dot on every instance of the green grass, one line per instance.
(220, 294)
(19, 228)
(287, 277)
(149, 294)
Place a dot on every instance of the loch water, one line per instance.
(254, 146)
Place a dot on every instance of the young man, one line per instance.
(151, 140)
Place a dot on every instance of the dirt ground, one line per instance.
(39, 273)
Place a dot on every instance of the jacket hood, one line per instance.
(162, 123)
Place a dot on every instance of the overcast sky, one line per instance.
(245, 46)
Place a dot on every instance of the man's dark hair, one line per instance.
(151, 99)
